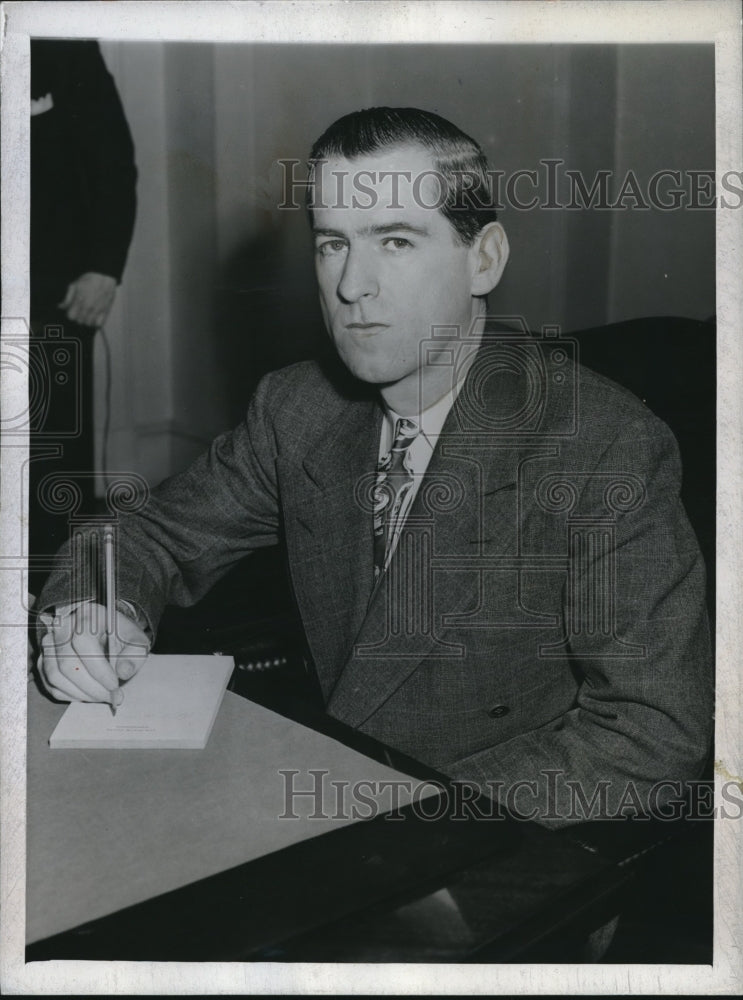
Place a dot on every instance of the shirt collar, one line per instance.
(432, 419)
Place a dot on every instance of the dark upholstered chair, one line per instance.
(670, 363)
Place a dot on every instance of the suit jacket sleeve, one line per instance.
(194, 526)
(636, 721)
(107, 156)
(83, 175)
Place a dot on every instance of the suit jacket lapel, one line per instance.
(472, 468)
(329, 533)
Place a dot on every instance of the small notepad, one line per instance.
(171, 703)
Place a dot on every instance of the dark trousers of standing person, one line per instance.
(61, 445)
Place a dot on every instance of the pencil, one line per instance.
(108, 554)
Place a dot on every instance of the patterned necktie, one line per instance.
(394, 482)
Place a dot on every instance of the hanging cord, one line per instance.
(107, 407)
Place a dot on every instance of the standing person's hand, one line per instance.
(89, 299)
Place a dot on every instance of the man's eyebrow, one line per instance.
(380, 230)
(317, 231)
(398, 227)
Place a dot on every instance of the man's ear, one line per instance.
(490, 255)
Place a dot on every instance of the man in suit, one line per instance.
(486, 544)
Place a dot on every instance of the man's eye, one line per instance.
(397, 243)
(329, 247)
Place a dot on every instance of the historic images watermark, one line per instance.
(550, 185)
(311, 794)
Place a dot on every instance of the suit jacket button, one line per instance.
(497, 711)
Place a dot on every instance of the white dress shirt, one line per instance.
(431, 422)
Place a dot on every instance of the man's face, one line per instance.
(388, 264)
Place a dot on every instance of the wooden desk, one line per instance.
(110, 828)
(177, 856)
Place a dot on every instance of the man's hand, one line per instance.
(89, 299)
(73, 665)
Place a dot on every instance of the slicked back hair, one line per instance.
(467, 199)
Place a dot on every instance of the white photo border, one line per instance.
(664, 21)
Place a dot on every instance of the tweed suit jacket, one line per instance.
(542, 621)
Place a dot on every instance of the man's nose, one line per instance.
(359, 278)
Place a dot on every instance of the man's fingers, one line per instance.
(67, 300)
(73, 659)
(74, 308)
(116, 698)
(97, 678)
(129, 661)
(89, 299)
(60, 695)
(89, 310)
(128, 648)
(83, 663)
(54, 681)
(80, 662)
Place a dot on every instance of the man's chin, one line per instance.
(376, 375)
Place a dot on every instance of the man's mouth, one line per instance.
(366, 327)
